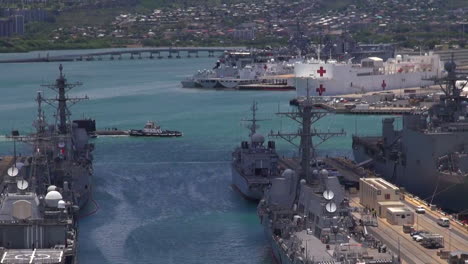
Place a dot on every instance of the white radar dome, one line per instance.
(258, 138)
(288, 173)
(324, 172)
(61, 204)
(51, 188)
(52, 198)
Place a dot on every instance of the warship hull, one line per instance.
(84, 188)
(189, 83)
(241, 184)
(423, 181)
(279, 256)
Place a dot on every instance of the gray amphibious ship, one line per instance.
(429, 155)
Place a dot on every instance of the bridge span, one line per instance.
(130, 53)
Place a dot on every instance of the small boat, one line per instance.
(152, 130)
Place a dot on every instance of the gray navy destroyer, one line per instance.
(306, 214)
(68, 148)
(429, 155)
(253, 163)
(42, 193)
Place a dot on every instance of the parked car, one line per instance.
(417, 232)
(420, 210)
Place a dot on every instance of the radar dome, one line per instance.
(51, 188)
(324, 172)
(52, 198)
(61, 204)
(257, 138)
(450, 66)
(288, 173)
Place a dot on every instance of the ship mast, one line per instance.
(61, 87)
(451, 90)
(40, 122)
(253, 126)
(308, 113)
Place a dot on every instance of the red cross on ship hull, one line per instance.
(321, 71)
(320, 90)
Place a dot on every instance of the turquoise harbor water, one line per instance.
(163, 200)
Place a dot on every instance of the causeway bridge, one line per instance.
(130, 53)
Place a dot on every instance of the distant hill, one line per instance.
(325, 4)
(183, 3)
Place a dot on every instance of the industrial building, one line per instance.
(14, 25)
(400, 216)
(378, 195)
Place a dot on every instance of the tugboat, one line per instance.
(152, 130)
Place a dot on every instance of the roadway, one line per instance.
(412, 252)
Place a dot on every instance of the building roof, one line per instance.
(391, 203)
(399, 209)
(380, 184)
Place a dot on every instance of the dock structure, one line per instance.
(391, 102)
(410, 250)
(132, 53)
(112, 132)
(369, 111)
(265, 87)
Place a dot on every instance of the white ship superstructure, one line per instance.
(238, 69)
(373, 74)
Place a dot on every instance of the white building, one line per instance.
(400, 216)
(377, 194)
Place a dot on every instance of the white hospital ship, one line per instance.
(373, 74)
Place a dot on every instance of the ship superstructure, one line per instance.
(306, 214)
(372, 74)
(429, 155)
(254, 163)
(68, 145)
(238, 68)
(37, 219)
